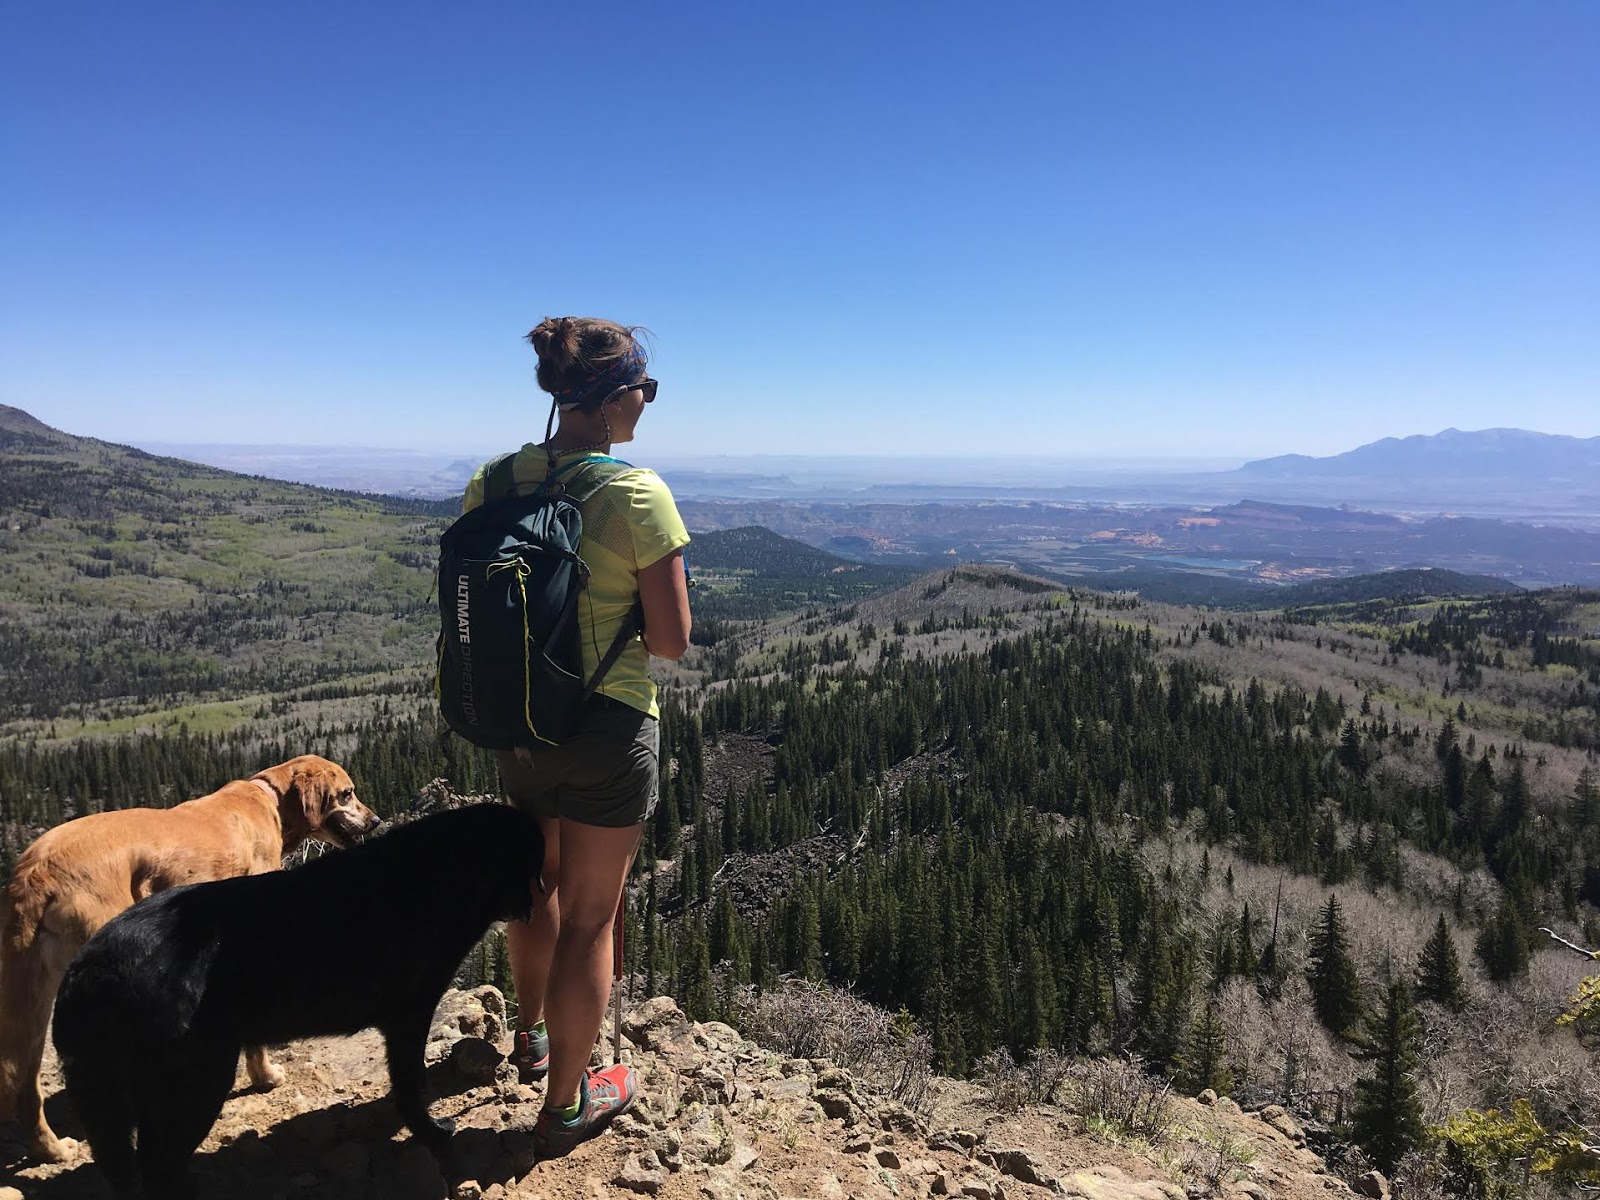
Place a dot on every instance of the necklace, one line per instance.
(551, 452)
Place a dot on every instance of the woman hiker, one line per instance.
(593, 793)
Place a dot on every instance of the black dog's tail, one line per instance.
(95, 1073)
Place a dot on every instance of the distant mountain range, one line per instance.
(1451, 457)
(1511, 474)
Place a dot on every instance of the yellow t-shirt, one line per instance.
(628, 524)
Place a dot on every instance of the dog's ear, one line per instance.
(299, 816)
(318, 784)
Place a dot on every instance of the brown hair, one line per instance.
(571, 349)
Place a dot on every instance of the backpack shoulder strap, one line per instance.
(632, 626)
(591, 474)
(499, 478)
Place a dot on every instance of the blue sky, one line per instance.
(1059, 229)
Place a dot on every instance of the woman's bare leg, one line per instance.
(578, 980)
(530, 944)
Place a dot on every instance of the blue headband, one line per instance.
(626, 370)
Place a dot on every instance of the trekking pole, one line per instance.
(616, 975)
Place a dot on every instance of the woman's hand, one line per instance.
(664, 595)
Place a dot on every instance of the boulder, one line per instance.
(1372, 1184)
(1109, 1183)
(474, 1061)
(1278, 1119)
(838, 1105)
(655, 1023)
(668, 1149)
(478, 1014)
(796, 1087)
(836, 1078)
(714, 1085)
(744, 1157)
(641, 1173)
(714, 1035)
(892, 1115)
(1021, 1165)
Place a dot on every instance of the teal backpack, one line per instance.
(510, 670)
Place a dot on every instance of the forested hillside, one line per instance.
(1411, 583)
(1272, 853)
(752, 573)
(130, 583)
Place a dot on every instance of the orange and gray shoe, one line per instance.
(602, 1097)
(530, 1054)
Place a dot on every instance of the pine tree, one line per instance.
(1203, 1063)
(1387, 1118)
(1502, 944)
(805, 932)
(664, 827)
(1439, 971)
(1245, 959)
(1350, 756)
(1335, 990)
(694, 985)
(1586, 798)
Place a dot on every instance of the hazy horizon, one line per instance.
(1109, 462)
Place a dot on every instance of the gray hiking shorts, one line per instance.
(607, 774)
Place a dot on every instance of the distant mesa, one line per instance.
(1404, 584)
(1267, 513)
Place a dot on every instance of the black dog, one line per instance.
(154, 1009)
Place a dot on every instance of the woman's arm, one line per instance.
(664, 594)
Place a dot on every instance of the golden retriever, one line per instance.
(80, 874)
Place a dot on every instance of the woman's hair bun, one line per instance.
(572, 348)
(555, 340)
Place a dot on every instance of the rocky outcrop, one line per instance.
(718, 1118)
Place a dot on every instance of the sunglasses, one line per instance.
(646, 385)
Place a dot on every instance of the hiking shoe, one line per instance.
(530, 1053)
(602, 1096)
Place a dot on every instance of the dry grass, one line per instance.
(801, 1019)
